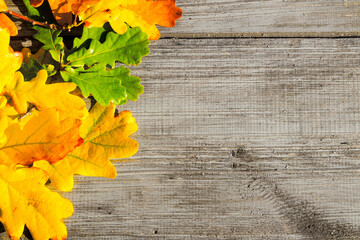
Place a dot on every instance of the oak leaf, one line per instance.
(33, 63)
(105, 137)
(39, 55)
(8, 115)
(105, 85)
(64, 9)
(43, 96)
(51, 40)
(140, 13)
(10, 60)
(6, 23)
(97, 49)
(44, 137)
(24, 200)
(36, 3)
(3, 6)
(136, 13)
(128, 48)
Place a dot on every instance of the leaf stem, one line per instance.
(33, 22)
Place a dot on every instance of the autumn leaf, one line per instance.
(6, 23)
(4, 121)
(136, 13)
(10, 60)
(128, 48)
(64, 9)
(24, 200)
(140, 13)
(8, 115)
(36, 3)
(44, 137)
(43, 96)
(3, 6)
(105, 137)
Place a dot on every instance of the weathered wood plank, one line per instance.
(239, 139)
(270, 18)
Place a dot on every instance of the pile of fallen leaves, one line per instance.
(47, 134)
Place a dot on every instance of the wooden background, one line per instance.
(248, 129)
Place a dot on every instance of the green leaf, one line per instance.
(127, 48)
(88, 34)
(31, 69)
(32, 11)
(51, 40)
(41, 14)
(106, 85)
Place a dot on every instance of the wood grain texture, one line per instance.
(239, 139)
(265, 18)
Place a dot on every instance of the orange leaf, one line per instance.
(24, 200)
(6, 23)
(105, 137)
(44, 137)
(63, 9)
(36, 3)
(141, 13)
(136, 13)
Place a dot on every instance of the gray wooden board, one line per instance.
(239, 139)
(267, 18)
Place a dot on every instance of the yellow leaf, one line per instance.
(105, 137)
(43, 96)
(24, 200)
(8, 115)
(3, 6)
(136, 13)
(44, 137)
(140, 13)
(10, 60)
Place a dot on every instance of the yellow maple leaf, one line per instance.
(44, 137)
(24, 200)
(105, 137)
(43, 96)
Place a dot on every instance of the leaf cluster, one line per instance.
(48, 133)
